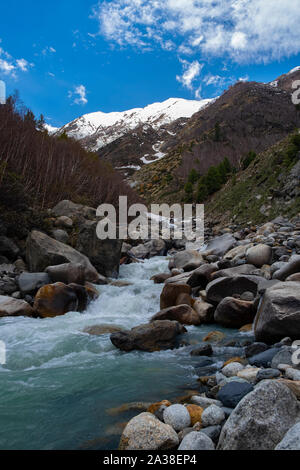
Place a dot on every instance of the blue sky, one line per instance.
(68, 58)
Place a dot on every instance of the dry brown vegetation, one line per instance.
(50, 168)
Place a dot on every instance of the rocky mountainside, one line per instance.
(247, 117)
(135, 137)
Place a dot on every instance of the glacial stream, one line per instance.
(60, 385)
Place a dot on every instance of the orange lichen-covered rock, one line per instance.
(195, 412)
(214, 336)
(234, 359)
(155, 406)
(55, 299)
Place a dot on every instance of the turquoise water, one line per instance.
(59, 383)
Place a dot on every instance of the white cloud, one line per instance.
(23, 65)
(244, 30)
(79, 95)
(191, 72)
(9, 66)
(48, 50)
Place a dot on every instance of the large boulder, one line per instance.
(259, 255)
(170, 294)
(156, 336)
(291, 440)
(292, 267)
(234, 313)
(146, 432)
(55, 299)
(43, 251)
(104, 254)
(204, 310)
(70, 273)
(187, 260)
(202, 276)
(233, 392)
(10, 307)
(279, 313)
(236, 271)
(261, 419)
(184, 314)
(70, 209)
(228, 286)
(30, 282)
(220, 245)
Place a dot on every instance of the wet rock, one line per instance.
(263, 359)
(196, 441)
(234, 313)
(156, 336)
(103, 254)
(10, 307)
(214, 337)
(279, 313)
(184, 314)
(203, 350)
(29, 283)
(205, 311)
(255, 348)
(160, 278)
(233, 392)
(55, 299)
(283, 356)
(170, 293)
(146, 432)
(177, 416)
(261, 419)
(43, 251)
(99, 330)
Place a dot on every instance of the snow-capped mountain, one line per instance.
(96, 130)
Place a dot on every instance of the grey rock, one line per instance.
(223, 287)
(196, 441)
(263, 359)
(32, 282)
(177, 416)
(69, 273)
(261, 419)
(283, 356)
(205, 402)
(212, 416)
(279, 313)
(8, 248)
(220, 245)
(203, 350)
(255, 348)
(43, 251)
(146, 432)
(234, 313)
(233, 392)
(291, 440)
(103, 254)
(290, 268)
(213, 432)
(60, 235)
(10, 307)
(267, 374)
(259, 255)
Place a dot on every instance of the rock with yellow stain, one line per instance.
(195, 412)
(156, 406)
(246, 328)
(214, 337)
